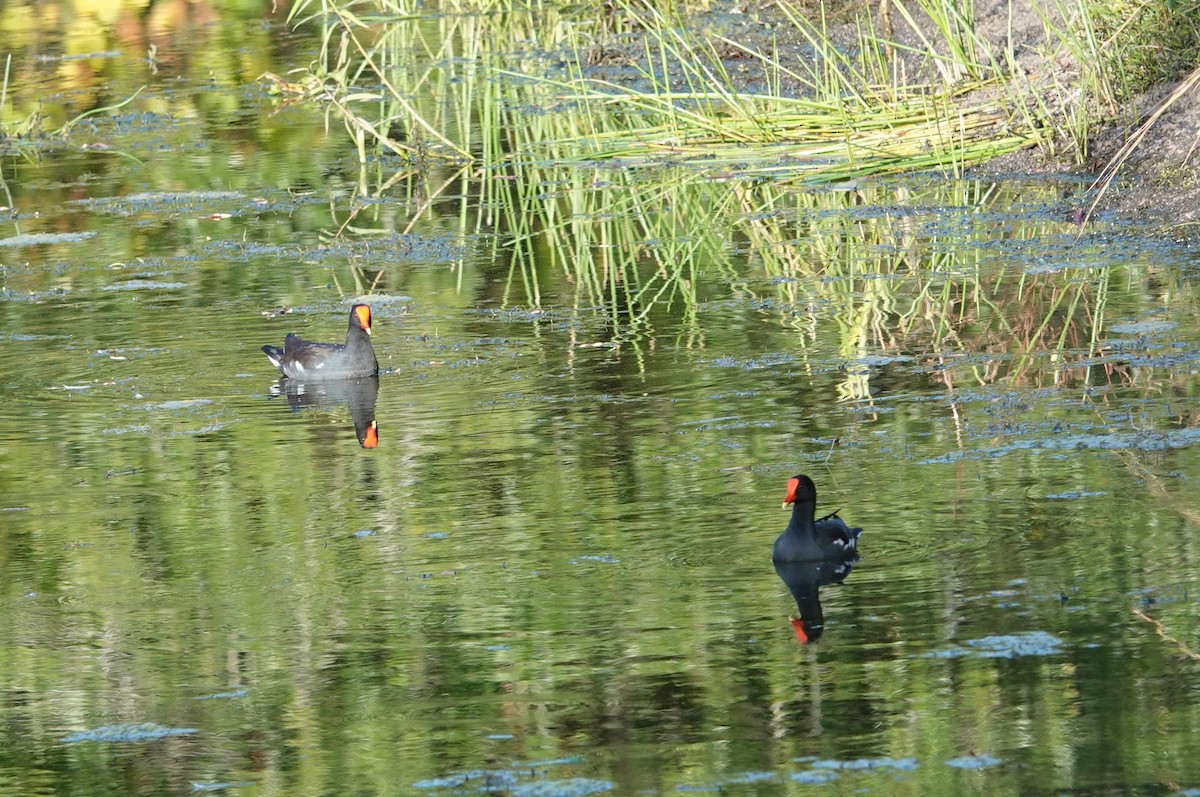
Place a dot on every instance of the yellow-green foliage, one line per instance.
(1147, 41)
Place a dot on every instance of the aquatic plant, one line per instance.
(469, 87)
(616, 161)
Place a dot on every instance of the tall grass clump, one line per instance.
(821, 118)
(617, 156)
(1146, 42)
(1132, 46)
(418, 82)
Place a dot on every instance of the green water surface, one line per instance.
(553, 574)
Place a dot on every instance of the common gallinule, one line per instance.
(325, 362)
(806, 539)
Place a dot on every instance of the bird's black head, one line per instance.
(800, 488)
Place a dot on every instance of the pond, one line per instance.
(552, 575)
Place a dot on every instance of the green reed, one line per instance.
(686, 103)
(629, 196)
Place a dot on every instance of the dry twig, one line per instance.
(1162, 633)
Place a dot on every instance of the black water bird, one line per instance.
(328, 362)
(808, 539)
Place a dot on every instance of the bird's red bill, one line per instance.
(801, 634)
(790, 498)
(371, 439)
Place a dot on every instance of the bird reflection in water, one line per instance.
(357, 394)
(804, 579)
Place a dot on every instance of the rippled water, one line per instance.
(553, 576)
